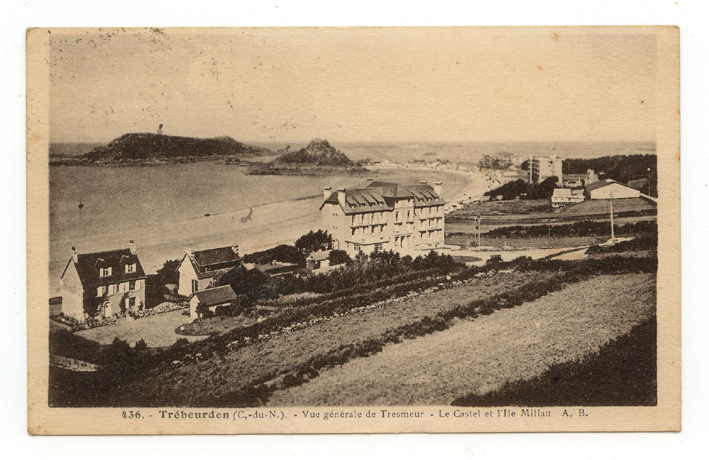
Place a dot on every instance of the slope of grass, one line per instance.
(481, 356)
(622, 373)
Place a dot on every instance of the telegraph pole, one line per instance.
(612, 230)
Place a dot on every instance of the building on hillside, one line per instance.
(102, 284)
(384, 216)
(209, 300)
(566, 196)
(198, 269)
(608, 188)
(318, 259)
(541, 168)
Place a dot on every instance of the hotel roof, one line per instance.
(381, 196)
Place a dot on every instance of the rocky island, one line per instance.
(149, 148)
(318, 158)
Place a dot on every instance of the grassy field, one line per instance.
(214, 325)
(223, 379)
(595, 207)
(624, 374)
(481, 356)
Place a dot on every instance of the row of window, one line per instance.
(108, 271)
(377, 218)
(112, 289)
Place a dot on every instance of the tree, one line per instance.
(338, 257)
(314, 241)
(168, 274)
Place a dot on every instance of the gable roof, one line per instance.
(215, 256)
(88, 266)
(319, 255)
(215, 296)
(601, 183)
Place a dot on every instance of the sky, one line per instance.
(355, 84)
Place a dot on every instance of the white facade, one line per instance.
(384, 216)
(541, 168)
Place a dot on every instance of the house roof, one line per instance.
(88, 266)
(215, 296)
(424, 195)
(602, 183)
(380, 196)
(319, 255)
(215, 256)
(637, 184)
(391, 189)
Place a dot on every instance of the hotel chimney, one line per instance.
(74, 255)
(326, 192)
(341, 196)
(438, 188)
(131, 245)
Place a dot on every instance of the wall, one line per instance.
(72, 294)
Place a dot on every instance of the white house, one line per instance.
(198, 269)
(566, 196)
(210, 299)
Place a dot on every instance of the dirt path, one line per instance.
(482, 355)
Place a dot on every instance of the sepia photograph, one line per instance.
(354, 229)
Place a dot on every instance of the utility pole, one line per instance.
(612, 230)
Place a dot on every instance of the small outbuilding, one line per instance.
(210, 299)
(608, 188)
(566, 196)
(318, 259)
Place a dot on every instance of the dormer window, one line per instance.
(130, 268)
(106, 272)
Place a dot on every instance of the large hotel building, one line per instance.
(384, 216)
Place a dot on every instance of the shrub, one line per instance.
(338, 257)
(140, 345)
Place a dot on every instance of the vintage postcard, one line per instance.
(353, 230)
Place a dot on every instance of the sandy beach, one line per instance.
(164, 219)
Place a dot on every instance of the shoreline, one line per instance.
(279, 221)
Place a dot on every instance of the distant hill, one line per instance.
(318, 152)
(147, 147)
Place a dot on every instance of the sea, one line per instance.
(168, 208)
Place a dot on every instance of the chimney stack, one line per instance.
(438, 188)
(131, 245)
(235, 248)
(341, 196)
(423, 182)
(326, 192)
(74, 255)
